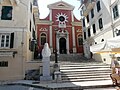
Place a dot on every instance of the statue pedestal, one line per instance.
(45, 78)
(46, 69)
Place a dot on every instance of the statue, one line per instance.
(46, 53)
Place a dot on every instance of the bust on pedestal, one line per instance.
(46, 53)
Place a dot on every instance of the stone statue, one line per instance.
(46, 53)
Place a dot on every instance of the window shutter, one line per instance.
(12, 40)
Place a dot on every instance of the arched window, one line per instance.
(42, 38)
(80, 40)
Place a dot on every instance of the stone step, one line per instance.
(84, 66)
(85, 70)
(80, 72)
(89, 76)
(85, 79)
(84, 74)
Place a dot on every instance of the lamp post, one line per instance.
(55, 51)
(56, 55)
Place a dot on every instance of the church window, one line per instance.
(61, 18)
(42, 38)
(6, 13)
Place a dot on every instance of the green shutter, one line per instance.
(12, 40)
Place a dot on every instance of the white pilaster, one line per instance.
(50, 39)
(67, 43)
(50, 31)
(73, 33)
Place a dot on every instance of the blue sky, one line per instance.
(44, 11)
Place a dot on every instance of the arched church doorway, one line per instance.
(62, 46)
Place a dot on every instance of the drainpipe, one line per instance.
(112, 26)
(22, 44)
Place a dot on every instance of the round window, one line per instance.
(61, 18)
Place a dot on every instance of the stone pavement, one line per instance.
(109, 88)
(101, 84)
(92, 85)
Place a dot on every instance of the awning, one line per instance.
(114, 42)
(111, 45)
(97, 47)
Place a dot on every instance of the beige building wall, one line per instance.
(22, 25)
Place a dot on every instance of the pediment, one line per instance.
(61, 5)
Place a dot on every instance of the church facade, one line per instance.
(60, 29)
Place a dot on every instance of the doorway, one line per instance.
(62, 46)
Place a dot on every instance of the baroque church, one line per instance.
(60, 29)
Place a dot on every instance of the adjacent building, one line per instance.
(17, 37)
(100, 21)
(60, 29)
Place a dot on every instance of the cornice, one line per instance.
(45, 22)
(61, 5)
(76, 23)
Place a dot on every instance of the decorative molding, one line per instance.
(7, 53)
(43, 29)
(62, 19)
(79, 30)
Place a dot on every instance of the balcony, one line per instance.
(88, 5)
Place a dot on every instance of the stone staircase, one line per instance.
(79, 69)
(84, 72)
(68, 57)
(76, 68)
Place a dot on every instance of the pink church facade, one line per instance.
(60, 29)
